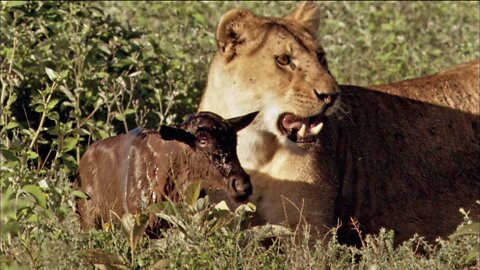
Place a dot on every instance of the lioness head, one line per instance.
(275, 66)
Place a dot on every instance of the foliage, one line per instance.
(75, 72)
(366, 43)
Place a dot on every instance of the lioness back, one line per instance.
(402, 156)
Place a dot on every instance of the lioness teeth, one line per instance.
(316, 129)
(302, 131)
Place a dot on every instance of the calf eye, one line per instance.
(282, 60)
(202, 142)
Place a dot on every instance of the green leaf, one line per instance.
(243, 209)
(102, 75)
(52, 75)
(251, 207)
(52, 104)
(40, 108)
(199, 18)
(222, 206)
(102, 134)
(11, 4)
(63, 211)
(33, 218)
(32, 155)
(22, 204)
(141, 223)
(5, 198)
(221, 211)
(123, 63)
(133, 227)
(104, 48)
(474, 253)
(200, 205)
(9, 155)
(68, 93)
(69, 143)
(161, 264)
(68, 159)
(162, 206)
(53, 115)
(173, 221)
(192, 192)
(268, 231)
(11, 125)
(80, 194)
(127, 221)
(64, 74)
(105, 258)
(129, 111)
(136, 73)
(119, 116)
(37, 194)
(468, 229)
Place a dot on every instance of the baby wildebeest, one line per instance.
(130, 171)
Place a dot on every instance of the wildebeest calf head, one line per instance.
(209, 134)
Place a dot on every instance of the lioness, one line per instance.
(403, 156)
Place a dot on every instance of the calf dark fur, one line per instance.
(127, 172)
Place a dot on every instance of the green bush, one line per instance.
(75, 72)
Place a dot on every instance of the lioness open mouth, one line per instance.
(300, 129)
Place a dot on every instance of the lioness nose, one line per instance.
(241, 185)
(326, 98)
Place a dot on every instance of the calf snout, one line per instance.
(240, 186)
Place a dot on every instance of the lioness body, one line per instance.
(402, 156)
(411, 157)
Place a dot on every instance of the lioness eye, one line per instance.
(283, 59)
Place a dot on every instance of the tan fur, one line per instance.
(402, 156)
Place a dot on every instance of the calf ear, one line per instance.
(239, 123)
(169, 133)
(235, 31)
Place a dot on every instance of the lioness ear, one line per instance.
(307, 15)
(241, 122)
(236, 28)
